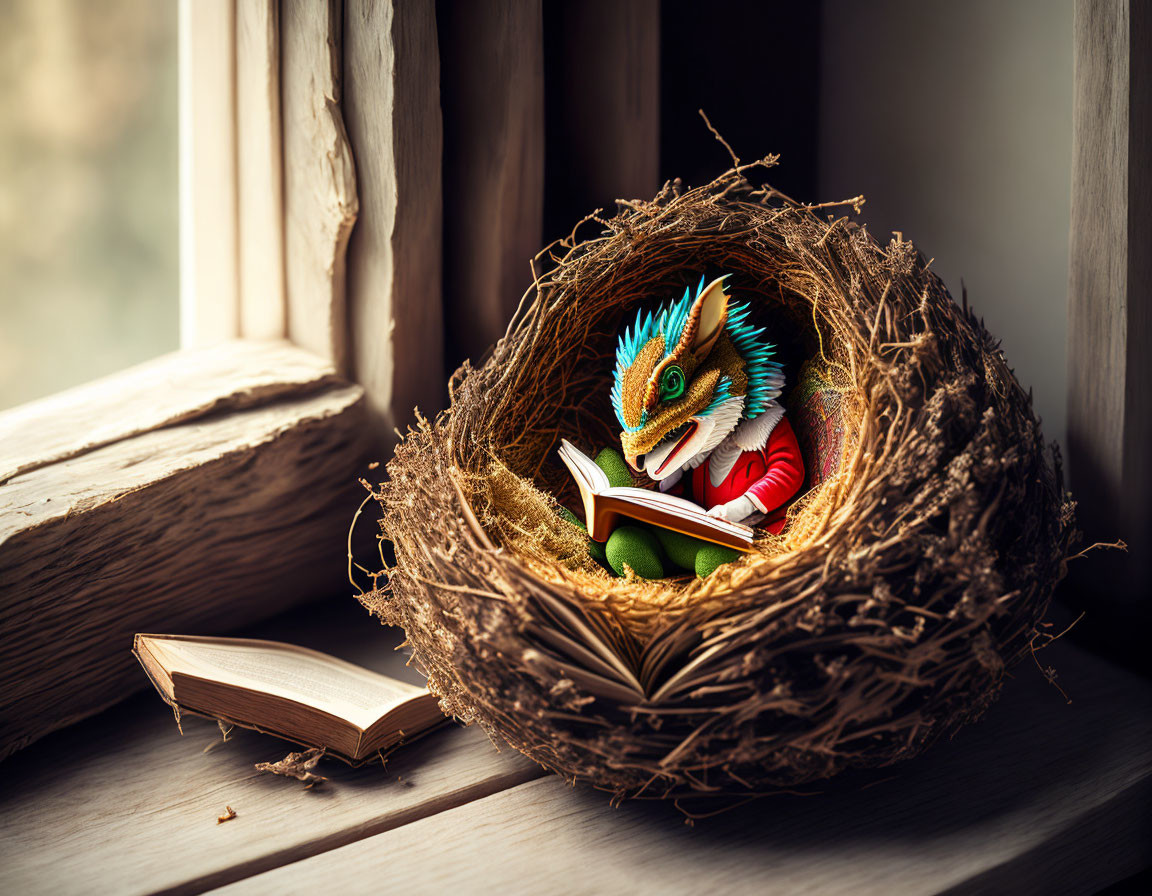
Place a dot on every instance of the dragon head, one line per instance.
(687, 376)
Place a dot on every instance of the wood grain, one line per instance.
(260, 172)
(980, 814)
(492, 87)
(392, 109)
(170, 389)
(124, 804)
(209, 284)
(320, 203)
(195, 526)
(1110, 301)
(604, 107)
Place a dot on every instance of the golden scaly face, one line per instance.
(678, 400)
(677, 396)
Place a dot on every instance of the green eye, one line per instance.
(671, 383)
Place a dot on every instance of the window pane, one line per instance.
(88, 186)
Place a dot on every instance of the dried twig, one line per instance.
(298, 766)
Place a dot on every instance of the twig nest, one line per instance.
(909, 578)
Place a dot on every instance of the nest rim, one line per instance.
(887, 622)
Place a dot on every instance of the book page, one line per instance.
(576, 460)
(307, 677)
(654, 507)
(671, 503)
(677, 506)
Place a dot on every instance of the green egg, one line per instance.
(681, 549)
(612, 463)
(636, 547)
(711, 556)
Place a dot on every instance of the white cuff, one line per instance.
(756, 502)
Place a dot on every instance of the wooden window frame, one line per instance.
(312, 325)
(1110, 319)
(212, 488)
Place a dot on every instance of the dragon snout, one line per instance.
(634, 461)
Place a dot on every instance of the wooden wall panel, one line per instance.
(603, 107)
(320, 203)
(209, 302)
(492, 95)
(392, 109)
(1110, 307)
(260, 170)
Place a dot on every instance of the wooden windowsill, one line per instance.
(1039, 796)
(204, 490)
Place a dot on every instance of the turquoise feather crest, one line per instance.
(765, 376)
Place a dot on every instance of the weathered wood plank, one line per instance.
(123, 804)
(1110, 304)
(260, 170)
(320, 203)
(974, 814)
(170, 389)
(603, 107)
(392, 109)
(492, 86)
(209, 284)
(197, 526)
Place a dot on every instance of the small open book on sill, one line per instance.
(302, 695)
(604, 504)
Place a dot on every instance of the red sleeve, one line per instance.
(785, 470)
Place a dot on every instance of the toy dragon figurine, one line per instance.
(695, 390)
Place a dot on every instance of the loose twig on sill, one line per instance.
(298, 766)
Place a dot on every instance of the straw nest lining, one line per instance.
(883, 618)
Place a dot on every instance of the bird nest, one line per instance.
(912, 573)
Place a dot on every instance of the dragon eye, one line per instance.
(671, 383)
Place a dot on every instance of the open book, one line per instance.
(298, 694)
(604, 504)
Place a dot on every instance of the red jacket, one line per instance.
(770, 477)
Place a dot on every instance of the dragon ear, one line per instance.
(708, 315)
